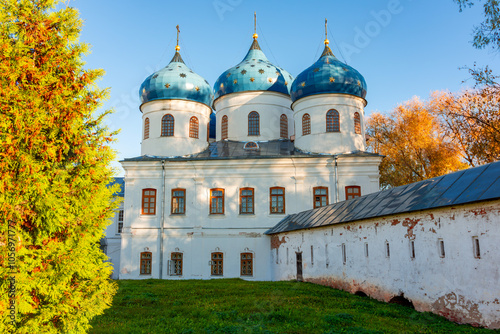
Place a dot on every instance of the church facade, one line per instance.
(197, 204)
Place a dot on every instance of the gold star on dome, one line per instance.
(182, 75)
(359, 83)
(332, 79)
(278, 73)
(228, 75)
(345, 69)
(252, 79)
(261, 71)
(235, 81)
(197, 88)
(167, 85)
(243, 72)
(286, 83)
(303, 83)
(222, 85)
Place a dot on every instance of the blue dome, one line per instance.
(328, 75)
(254, 73)
(176, 81)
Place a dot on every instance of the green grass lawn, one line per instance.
(237, 306)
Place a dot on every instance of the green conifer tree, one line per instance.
(54, 170)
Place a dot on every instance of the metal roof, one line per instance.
(228, 149)
(471, 185)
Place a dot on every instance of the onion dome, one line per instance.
(254, 73)
(328, 75)
(176, 81)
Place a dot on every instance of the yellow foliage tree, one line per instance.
(415, 146)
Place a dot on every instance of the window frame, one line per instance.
(146, 128)
(321, 196)
(174, 261)
(271, 195)
(144, 196)
(352, 187)
(167, 125)
(246, 262)
(173, 197)
(357, 123)
(143, 263)
(253, 124)
(306, 124)
(332, 121)
(194, 128)
(246, 197)
(224, 127)
(215, 197)
(214, 263)
(283, 126)
(121, 214)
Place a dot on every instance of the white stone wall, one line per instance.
(459, 286)
(180, 144)
(269, 105)
(197, 233)
(329, 142)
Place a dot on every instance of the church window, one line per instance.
(217, 264)
(216, 201)
(167, 126)
(251, 145)
(246, 201)
(284, 126)
(277, 200)
(320, 196)
(352, 192)
(223, 127)
(332, 121)
(146, 128)
(176, 269)
(253, 124)
(306, 125)
(357, 123)
(193, 127)
(178, 201)
(120, 221)
(146, 263)
(246, 264)
(148, 201)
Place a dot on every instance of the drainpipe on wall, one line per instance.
(162, 215)
(336, 180)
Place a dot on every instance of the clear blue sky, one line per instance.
(403, 48)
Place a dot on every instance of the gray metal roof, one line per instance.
(228, 149)
(471, 185)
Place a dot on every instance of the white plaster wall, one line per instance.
(321, 141)
(458, 286)
(198, 233)
(180, 144)
(269, 105)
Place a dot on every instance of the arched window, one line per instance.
(223, 127)
(193, 127)
(332, 121)
(357, 123)
(167, 126)
(146, 128)
(253, 124)
(284, 126)
(306, 125)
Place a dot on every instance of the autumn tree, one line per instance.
(54, 168)
(413, 143)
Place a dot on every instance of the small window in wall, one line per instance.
(327, 258)
(344, 255)
(146, 128)
(246, 264)
(387, 249)
(148, 201)
(320, 196)
(246, 201)
(412, 249)
(251, 145)
(357, 123)
(312, 255)
(223, 127)
(367, 254)
(277, 200)
(217, 264)
(253, 124)
(332, 121)
(352, 192)
(216, 201)
(193, 127)
(287, 256)
(120, 221)
(167, 126)
(475, 245)
(176, 264)
(277, 255)
(284, 126)
(178, 201)
(441, 248)
(306, 125)
(146, 263)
